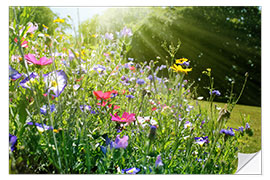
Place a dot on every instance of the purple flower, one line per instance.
(158, 161)
(130, 170)
(25, 83)
(247, 126)
(56, 82)
(100, 69)
(126, 32)
(13, 74)
(41, 128)
(123, 78)
(32, 27)
(12, 142)
(130, 96)
(109, 36)
(227, 132)
(162, 67)
(71, 55)
(187, 124)
(241, 129)
(85, 108)
(150, 77)
(140, 81)
(120, 142)
(215, 92)
(186, 63)
(43, 109)
(201, 140)
(131, 59)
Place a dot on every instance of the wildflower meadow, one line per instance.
(87, 107)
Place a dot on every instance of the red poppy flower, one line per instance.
(100, 95)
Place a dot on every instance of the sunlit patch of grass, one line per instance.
(249, 144)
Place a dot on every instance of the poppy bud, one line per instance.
(152, 133)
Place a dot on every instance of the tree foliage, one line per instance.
(226, 39)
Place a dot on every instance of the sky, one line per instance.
(84, 13)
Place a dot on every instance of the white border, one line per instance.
(265, 73)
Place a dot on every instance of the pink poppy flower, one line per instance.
(42, 62)
(126, 117)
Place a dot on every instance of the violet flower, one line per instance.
(56, 82)
(13, 74)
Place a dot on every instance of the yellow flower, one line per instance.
(181, 61)
(180, 69)
(59, 20)
(94, 35)
(45, 26)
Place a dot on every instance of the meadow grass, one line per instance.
(248, 144)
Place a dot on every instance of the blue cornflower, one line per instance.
(140, 81)
(130, 96)
(150, 77)
(241, 129)
(215, 92)
(12, 142)
(43, 109)
(228, 132)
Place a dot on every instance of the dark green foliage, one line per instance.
(225, 39)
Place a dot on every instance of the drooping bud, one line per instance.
(152, 133)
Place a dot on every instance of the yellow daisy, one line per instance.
(59, 20)
(181, 61)
(180, 69)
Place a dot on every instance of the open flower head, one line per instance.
(130, 170)
(126, 117)
(59, 20)
(29, 81)
(180, 69)
(121, 142)
(42, 61)
(201, 140)
(41, 128)
(13, 74)
(158, 161)
(56, 82)
(100, 95)
(187, 124)
(43, 109)
(227, 132)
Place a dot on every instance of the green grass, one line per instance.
(249, 144)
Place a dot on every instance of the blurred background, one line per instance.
(225, 39)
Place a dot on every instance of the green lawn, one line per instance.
(249, 144)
